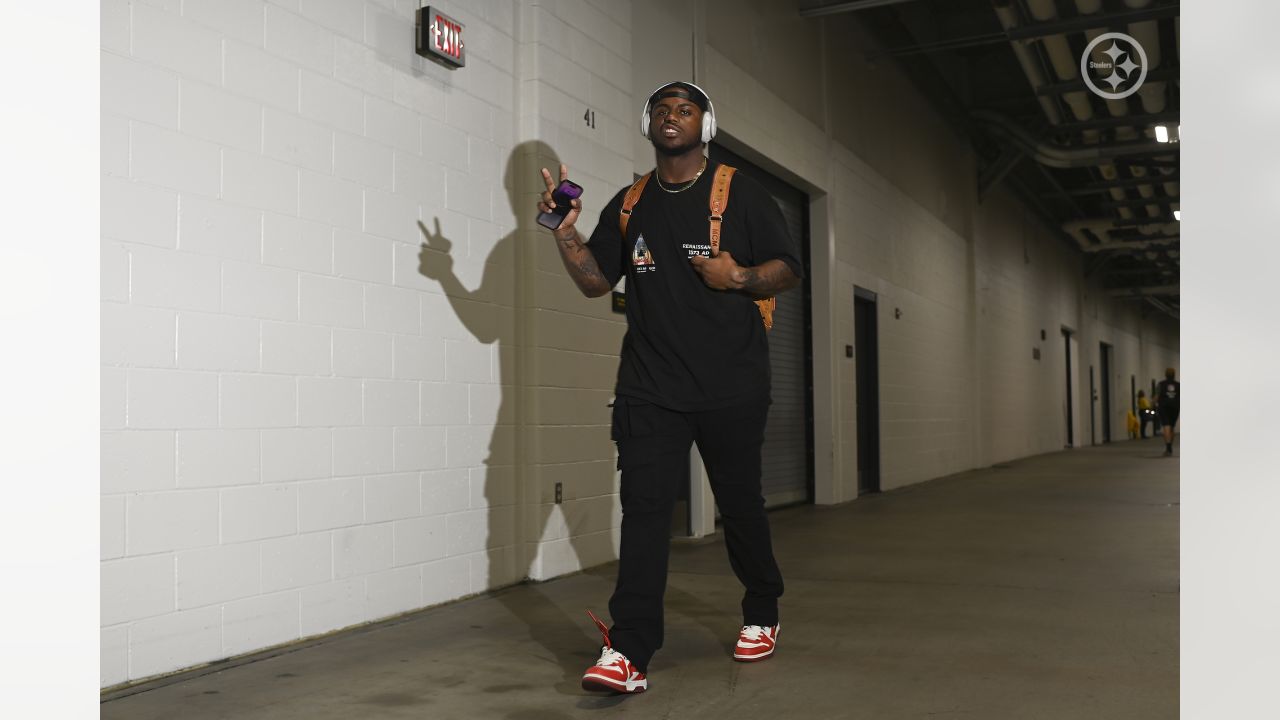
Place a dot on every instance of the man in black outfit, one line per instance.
(1167, 393)
(694, 369)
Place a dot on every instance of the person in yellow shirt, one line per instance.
(1145, 413)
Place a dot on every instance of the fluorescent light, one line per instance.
(1162, 134)
(1177, 215)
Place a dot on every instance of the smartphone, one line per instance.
(562, 196)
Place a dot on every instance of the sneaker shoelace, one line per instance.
(752, 632)
(608, 656)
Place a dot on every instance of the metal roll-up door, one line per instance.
(787, 454)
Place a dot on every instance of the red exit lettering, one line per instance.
(447, 36)
(439, 37)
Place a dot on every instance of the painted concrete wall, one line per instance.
(342, 370)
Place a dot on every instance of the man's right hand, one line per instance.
(545, 204)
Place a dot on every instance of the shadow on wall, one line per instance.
(506, 475)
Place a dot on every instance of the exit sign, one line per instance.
(440, 37)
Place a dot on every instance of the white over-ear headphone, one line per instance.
(708, 117)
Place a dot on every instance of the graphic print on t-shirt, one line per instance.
(692, 249)
(641, 258)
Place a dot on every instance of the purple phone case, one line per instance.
(561, 196)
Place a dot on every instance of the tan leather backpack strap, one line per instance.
(719, 201)
(767, 306)
(629, 202)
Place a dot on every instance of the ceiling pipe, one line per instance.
(1059, 157)
(1130, 245)
(1111, 173)
(844, 7)
(1152, 94)
(1146, 191)
(1028, 32)
(1081, 108)
(1167, 118)
(1098, 188)
(1065, 65)
(1147, 33)
(1147, 290)
(1008, 16)
(1107, 20)
(1167, 228)
(1101, 228)
(1161, 306)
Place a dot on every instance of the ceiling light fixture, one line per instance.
(1162, 134)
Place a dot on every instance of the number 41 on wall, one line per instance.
(590, 117)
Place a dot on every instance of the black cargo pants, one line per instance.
(653, 454)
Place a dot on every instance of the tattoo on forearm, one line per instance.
(582, 266)
(767, 279)
(589, 273)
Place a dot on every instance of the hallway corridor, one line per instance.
(1044, 588)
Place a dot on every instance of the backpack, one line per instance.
(719, 201)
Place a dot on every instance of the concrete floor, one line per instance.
(1045, 589)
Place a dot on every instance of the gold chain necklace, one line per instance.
(688, 184)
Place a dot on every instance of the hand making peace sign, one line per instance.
(545, 204)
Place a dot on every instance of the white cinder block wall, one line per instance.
(311, 421)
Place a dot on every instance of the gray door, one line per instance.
(787, 455)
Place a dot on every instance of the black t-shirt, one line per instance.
(1167, 393)
(689, 347)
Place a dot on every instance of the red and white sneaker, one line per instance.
(613, 671)
(756, 642)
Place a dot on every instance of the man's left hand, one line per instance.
(719, 272)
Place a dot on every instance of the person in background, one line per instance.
(1145, 413)
(1167, 394)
